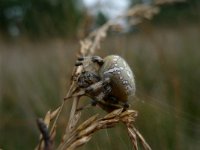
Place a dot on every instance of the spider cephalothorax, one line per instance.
(109, 81)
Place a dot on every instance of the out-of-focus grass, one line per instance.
(166, 64)
(33, 80)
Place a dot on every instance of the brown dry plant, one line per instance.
(74, 136)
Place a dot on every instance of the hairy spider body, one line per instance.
(109, 81)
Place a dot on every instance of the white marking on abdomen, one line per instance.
(113, 70)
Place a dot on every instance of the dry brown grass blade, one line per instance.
(129, 112)
(143, 11)
(53, 135)
(133, 138)
(69, 132)
(45, 141)
(45, 123)
(73, 122)
(55, 113)
(88, 130)
(47, 118)
(92, 125)
(73, 119)
(86, 123)
(79, 142)
(78, 134)
(141, 138)
(115, 113)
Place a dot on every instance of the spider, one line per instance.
(109, 82)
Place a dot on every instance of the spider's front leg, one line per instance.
(97, 92)
(111, 100)
(95, 59)
(98, 60)
(98, 86)
(110, 106)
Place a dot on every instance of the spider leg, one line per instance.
(111, 103)
(79, 61)
(113, 100)
(98, 60)
(101, 85)
(126, 105)
(108, 107)
(101, 89)
(94, 88)
(98, 100)
(95, 59)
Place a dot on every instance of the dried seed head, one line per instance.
(87, 122)
(55, 113)
(113, 114)
(129, 113)
(88, 130)
(79, 142)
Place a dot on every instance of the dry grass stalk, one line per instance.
(72, 137)
(143, 141)
(46, 139)
(84, 132)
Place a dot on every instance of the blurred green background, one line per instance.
(38, 44)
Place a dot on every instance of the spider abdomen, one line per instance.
(121, 76)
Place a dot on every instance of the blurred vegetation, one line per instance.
(63, 17)
(39, 17)
(164, 56)
(173, 13)
(178, 13)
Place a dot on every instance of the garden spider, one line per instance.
(109, 82)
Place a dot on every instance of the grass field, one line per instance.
(34, 78)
